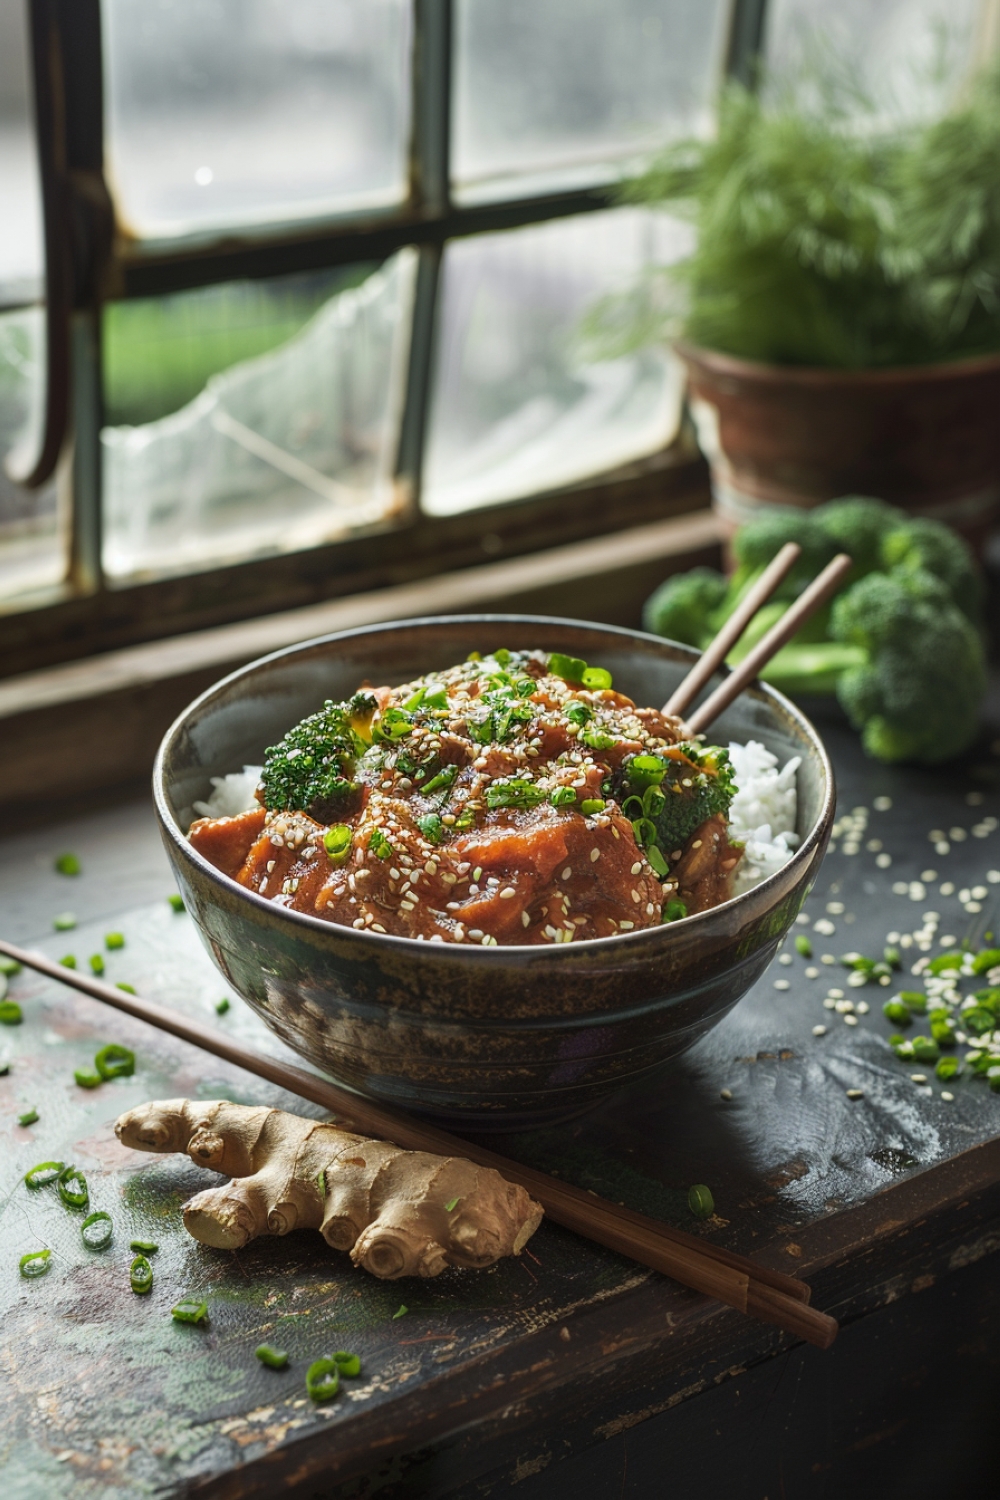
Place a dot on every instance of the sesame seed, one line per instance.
(507, 892)
(476, 933)
(595, 854)
(819, 1031)
(626, 926)
(726, 1094)
(946, 1096)
(637, 867)
(855, 1094)
(636, 897)
(525, 919)
(785, 958)
(567, 872)
(782, 984)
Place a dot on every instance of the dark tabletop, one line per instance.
(868, 1198)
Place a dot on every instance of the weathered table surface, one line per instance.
(508, 1369)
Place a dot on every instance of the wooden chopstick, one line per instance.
(765, 1294)
(808, 602)
(717, 650)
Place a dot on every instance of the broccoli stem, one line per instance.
(812, 668)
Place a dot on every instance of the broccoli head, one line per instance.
(762, 539)
(858, 525)
(923, 545)
(916, 689)
(683, 608)
(311, 769)
(670, 794)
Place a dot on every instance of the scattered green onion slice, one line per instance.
(221, 1006)
(442, 782)
(140, 1275)
(96, 962)
(347, 1364)
(28, 1118)
(892, 956)
(68, 864)
(9, 966)
(128, 988)
(700, 1201)
(323, 1379)
(113, 940)
(400, 1312)
(68, 960)
(64, 922)
(114, 1061)
(591, 805)
(450, 1207)
(177, 902)
(275, 1359)
(569, 668)
(803, 945)
(674, 910)
(337, 842)
(431, 827)
(144, 1247)
(598, 679)
(563, 796)
(44, 1173)
(100, 1229)
(379, 845)
(87, 1078)
(597, 739)
(947, 1067)
(35, 1263)
(190, 1311)
(898, 1013)
(321, 1183)
(10, 1013)
(73, 1197)
(655, 857)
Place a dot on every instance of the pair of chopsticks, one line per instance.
(769, 1295)
(810, 600)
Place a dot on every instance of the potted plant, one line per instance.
(839, 313)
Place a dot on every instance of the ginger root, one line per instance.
(399, 1213)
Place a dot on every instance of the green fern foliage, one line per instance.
(825, 238)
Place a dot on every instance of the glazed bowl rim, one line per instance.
(478, 952)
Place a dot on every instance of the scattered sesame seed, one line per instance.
(785, 958)
(850, 1020)
(824, 927)
(507, 892)
(855, 1094)
(812, 972)
(726, 1094)
(827, 958)
(525, 919)
(949, 1098)
(567, 873)
(782, 984)
(802, 919)
(819, 1031)
(882, 804)
(883, 861)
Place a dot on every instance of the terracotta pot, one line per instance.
(925, 438)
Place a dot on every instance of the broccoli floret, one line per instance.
(859, 525)
(682, 609)
(916, 691)
(927, 546)
(311, 769)
(665, 811)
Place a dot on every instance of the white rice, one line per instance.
(762, 815)
(232, 794)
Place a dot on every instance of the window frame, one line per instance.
(88, 264)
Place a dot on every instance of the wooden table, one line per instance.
(568, 1371)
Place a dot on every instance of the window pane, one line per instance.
(211, 461)
(241, 112)
(518, 407)
(908, 55)
(551, 93)
(30, 552)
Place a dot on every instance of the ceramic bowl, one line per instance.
(472, 1037)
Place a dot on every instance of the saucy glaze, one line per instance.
(475, 805)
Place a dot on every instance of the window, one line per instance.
(296, 307)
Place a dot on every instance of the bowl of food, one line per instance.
(467, 867)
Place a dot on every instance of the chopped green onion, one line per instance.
(87, 1078)
(516, 791)
(569, 668)
(656, 859)
(190, 1311)
(563, 796)
(221, 1006)
(892, 957)
(323, 1379)
(64, 922)
(413, 702)
(96, 1230)
(337, 842)
(645, 832)
(597, 739)
(140, 1275)
(598, 679)
(944, 962)
(914, 1000)
(392, 725)
(674, 910)
(653, 802)
(68, 961)
(43, 1174)
(978, 1020)
(28, 1118)
(275, 1359)
(646, 770)
(9, 966)
(948, 1067)
(114, 1061)
(450, 1207)
(144, 1247)
(988, 959)
(803, 945)
(321, 1183)
(68, 864)
(347, 1364)
(590, 805)
(438, 699)
(35, 1263)
(96, 962)
(700, 1201)
(73, 1197)
(10, 1013)
(431, 827)
(579, 714)
(114, 940)
(442, 782)
(128, 988)
(177, 902)
(925, 1049)
(898, 1013)
(400, 1312)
